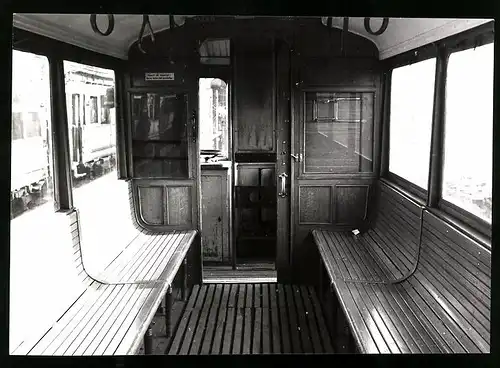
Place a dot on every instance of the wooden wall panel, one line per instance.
(333, 204)
(254, 92)
(248, 176)
(351, 203)
(178, 205)
(172, 201)
(151, 208)
(215, 215)
(315, 204)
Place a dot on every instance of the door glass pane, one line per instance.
(338, 132)
(468, 138)
(213, 107)
(160, 145)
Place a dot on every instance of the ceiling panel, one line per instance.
(402, 34)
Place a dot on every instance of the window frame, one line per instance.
(444, 205)
(393, 177)
(51, 146)
(441, 50)
(57, 52)
(219, 72)
(302, 173)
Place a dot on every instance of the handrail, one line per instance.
(405, 277)
(145, 21)
(111, 24)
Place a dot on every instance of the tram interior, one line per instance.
(250, 185)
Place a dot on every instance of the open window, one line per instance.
(215, 52)
(213, 117)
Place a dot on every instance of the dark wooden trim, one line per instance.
(409, 186)
(476, 36)
(30, 42)
(283, 162)
(403, 192)
(121, 127)
(63, 195)
(385, 131)
(183, 89)
(437, 138)
(223, 72)
(470, 38)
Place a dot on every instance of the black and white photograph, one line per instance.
(250, 185)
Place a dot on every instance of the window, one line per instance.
(75, 105)
(412, 96)
(94, 169)
(33, 126)
(159, 138)
(31, 171)
(338, 132)
(33, 242)
(468, 138)
(93, 109)
(104, 110)
(213, 114)
(17, 126)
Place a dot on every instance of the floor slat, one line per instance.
(251, 319)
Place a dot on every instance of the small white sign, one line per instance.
(159, 76)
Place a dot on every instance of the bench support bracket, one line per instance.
(148, 341)
(184, 279)
(168, 311)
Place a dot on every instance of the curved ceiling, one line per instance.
(402, 34)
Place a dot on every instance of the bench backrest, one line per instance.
(105, 233)
(455, 270)
(394, 229)
(53, 278)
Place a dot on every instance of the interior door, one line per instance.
(284, 173)
(333, 129)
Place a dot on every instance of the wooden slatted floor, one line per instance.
(251, 319)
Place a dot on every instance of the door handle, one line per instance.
(283, 177)
(297, 157)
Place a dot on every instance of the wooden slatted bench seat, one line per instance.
(111, 316)
(389, 246)
(442, 307)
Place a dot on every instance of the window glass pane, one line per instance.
(92, 146)
(33, 126)
(468, 143)
(213, 115)
(159, 138)
(31, 157)
(412, 96)
(17, 125)
(32, 205)
(338, 132)
(93, 109)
